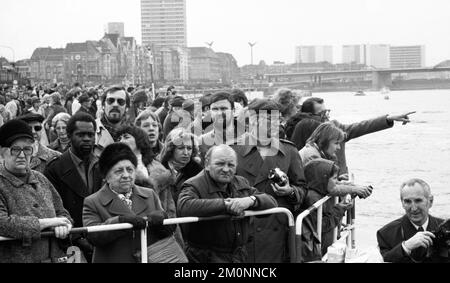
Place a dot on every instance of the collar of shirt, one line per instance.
(251, 143)
(424, 226)
(80, 162)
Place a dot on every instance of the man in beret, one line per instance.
(86, 103)
(42, 155)
(258, 152)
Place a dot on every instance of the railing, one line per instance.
(182, 220)
(350, 236)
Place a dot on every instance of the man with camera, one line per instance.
(259, 152)
(417, 236)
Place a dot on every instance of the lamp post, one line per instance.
(12, 50)
(251, 50)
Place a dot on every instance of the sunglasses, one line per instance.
(37, 128)
(111, 101)
(16, 150)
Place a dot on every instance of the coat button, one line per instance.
(238, 234)
(35, 205)
(258, 229)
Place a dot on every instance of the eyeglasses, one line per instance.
(37, 128)
(120, 101)
(16, 150)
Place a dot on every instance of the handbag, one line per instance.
(166, 250)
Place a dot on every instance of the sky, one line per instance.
(276, 25)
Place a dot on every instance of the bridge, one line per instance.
(380, 77)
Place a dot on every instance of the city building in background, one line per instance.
(407, 56)
(371, 55)
(314, 54)
(204, 65)
(163, 23)
(115, 28)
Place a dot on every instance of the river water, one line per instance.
(385, 159)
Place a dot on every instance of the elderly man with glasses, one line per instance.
(42, 155)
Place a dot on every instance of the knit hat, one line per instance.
(158, 102)
(317, 173)
(32, 117)
(113, 154)
(14, 130)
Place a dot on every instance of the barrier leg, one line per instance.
(298, 245)
(144, 256)
(353, 232)
(292, 246)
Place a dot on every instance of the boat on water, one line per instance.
(360, 93)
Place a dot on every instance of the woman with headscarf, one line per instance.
(321, 178)
(29, 203)
(59, 128)
(121, 201)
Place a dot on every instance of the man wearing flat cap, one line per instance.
(258, 152)
(42, 155)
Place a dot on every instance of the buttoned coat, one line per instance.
(67, 181)
(22, 204)
(103, 208)
(270, 234)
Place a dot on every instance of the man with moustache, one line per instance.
(115, 102)
(76, 174)
(218, 191)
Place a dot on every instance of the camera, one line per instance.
(278, 177)
(442, 234)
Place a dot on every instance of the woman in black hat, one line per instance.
(29, 203)
(121, 201)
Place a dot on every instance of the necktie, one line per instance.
(420, 229)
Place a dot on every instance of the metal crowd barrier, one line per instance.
(182, 220)
(350, 236)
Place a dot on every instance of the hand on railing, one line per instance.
(237, 206)
(138, 222)
(60, 225)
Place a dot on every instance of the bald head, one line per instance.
(221, 163)
(222, 149)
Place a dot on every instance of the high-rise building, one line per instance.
(116, 28)
(314, 54)
(163, 23)
(407, 56)
(371, 55)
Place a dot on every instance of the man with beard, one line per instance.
(42, 155)
(115, 102)
(75, 174)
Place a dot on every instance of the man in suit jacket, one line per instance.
(75, 174)
(316, 107)
(409, 239)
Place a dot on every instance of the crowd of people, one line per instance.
(80, 157)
